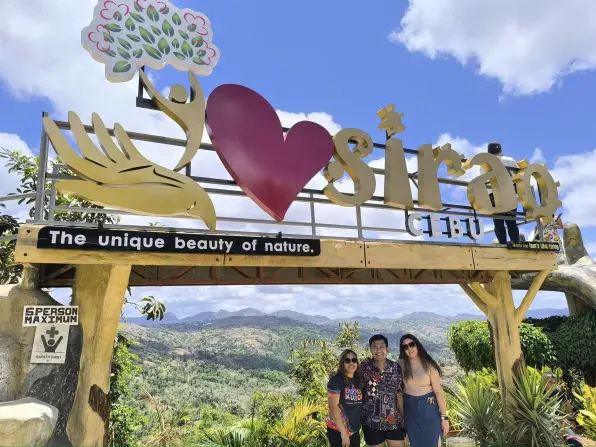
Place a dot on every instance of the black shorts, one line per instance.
(376, 437)
(335, 438)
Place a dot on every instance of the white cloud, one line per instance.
(385, 301)
(528, 46)
(461, 145)
(575, 172)
(591, 247)
(334, 301)
(288, 119)
(537, 156)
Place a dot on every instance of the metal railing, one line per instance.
(310, 227)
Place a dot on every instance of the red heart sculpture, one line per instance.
(248, 136)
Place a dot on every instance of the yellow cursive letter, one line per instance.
(429, 160)
(547, 189)
(397, 183)
(500, 182)
(347, 161)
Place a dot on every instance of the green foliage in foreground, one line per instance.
(575, 344)
(125, 418)
(471, 343)
(530, 417)
(587, 415)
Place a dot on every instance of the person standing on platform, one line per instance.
(512, 228)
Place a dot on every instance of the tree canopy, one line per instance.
(471, 344)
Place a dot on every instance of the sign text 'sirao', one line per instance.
(270, 165)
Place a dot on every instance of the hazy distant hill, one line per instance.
(422, 317)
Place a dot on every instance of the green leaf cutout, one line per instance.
(201, 53)
(130, 24)
(167, 29)
(197, 41)
(138, 7)
(152, 13)
(117, 16)
(107, 37)
(146, 35)
(121, 67)
(125, 54)
(137, 53)
(139, 18)
(183, 34)
(125, 44)
(199, 61)
(179, 56)
(133, 37)
(175, 43)
(187, 49)
(192, 27)
(152, 51)
(155, 30)
(113, 27)
(163, 46)
(176, 19)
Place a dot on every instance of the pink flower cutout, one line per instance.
(210, 55)
(199, 22)
(113, 11)
(160, 6)
(97, 37)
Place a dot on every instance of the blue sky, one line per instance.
(463, 72)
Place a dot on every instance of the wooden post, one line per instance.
(496, 302)
(99, 292)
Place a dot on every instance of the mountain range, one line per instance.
(207, 317)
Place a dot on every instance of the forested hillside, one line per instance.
(208, 368)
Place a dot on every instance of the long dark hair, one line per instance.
(341, 368)
(425, 358)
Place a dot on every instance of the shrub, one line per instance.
(587, 415)
(476, 407)
(534, 411)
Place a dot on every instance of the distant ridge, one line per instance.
(206, 317)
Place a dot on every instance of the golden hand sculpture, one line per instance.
(120, 176)
(190, 116)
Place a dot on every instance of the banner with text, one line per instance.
(160, 242)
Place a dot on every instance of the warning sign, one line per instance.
(49, 345)
(34, 315)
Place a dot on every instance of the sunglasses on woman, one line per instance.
(350, 360)
(410, 345)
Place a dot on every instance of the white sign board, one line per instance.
(51, 333)
(49, 345)
(36, 315)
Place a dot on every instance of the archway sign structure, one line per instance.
(270, 167)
